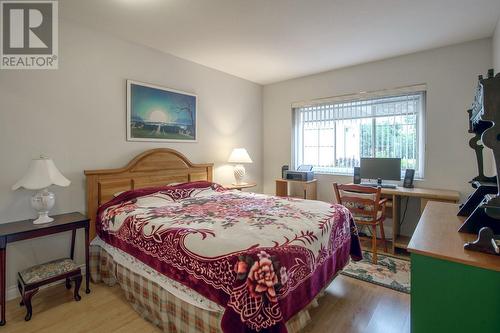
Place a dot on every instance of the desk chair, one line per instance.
(367, 209)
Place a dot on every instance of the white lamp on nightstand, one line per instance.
(239, 156)
(41, 174)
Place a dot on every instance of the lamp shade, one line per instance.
(239, 155)
(42, 173)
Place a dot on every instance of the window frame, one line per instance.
(363, 96)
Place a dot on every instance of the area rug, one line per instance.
(390, 272)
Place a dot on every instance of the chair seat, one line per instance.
(48, 270)
(366, 218)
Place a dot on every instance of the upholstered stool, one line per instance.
(30, 279)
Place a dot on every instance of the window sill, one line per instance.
(332, 174)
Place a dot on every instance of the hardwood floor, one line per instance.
(354, 306)
(349, 306)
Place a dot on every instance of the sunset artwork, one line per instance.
(160, 114)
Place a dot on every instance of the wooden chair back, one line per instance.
(357, 199)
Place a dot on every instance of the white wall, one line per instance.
(450, 74)
(76, 115)
(496, 48)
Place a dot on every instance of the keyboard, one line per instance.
(377, 185)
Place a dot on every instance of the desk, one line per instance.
(16, 231)
(425, 194)
(452, 289)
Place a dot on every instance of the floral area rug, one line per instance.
(390, 272)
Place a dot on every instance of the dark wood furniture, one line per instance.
(484, 120)
(31, 279)
(452, 289)
(309, 188)
(21, 230)
(367, 208)
(476, 197)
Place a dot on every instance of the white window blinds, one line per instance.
(333, 136)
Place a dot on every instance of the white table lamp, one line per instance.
(239, 156)
(41, 174)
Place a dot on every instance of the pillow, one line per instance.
(118, 193)
(169, 184)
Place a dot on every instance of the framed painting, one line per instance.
(160, 114)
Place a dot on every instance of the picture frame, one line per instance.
(160, 114)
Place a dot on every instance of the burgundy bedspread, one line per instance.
(262, 258)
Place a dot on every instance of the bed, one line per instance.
(193, 256)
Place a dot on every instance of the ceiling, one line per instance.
(267, 41)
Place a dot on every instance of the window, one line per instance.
(333, 136)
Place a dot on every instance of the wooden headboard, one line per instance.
(152, 168)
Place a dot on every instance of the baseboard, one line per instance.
(13, 291)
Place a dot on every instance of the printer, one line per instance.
(303, 173)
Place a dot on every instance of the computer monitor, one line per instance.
(380, 168)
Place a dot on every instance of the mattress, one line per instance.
(157, 305)
(177, 289)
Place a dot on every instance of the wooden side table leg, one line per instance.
(73, 236)
(87, 265)
(71, 255)
(2, 285)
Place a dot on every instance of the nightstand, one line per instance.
(240, 186)
(21, 230)
(309, 188)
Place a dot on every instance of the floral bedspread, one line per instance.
(262, 258)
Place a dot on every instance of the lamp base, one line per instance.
(43, 218)
(42, 202)
(239, 174)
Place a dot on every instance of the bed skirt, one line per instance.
(162, 308)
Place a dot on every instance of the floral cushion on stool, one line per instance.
(48, 270)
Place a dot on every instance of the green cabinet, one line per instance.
(448, 296)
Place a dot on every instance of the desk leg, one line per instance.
(87, 266)
(423, 203)
(395, 220)
(2, 284)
